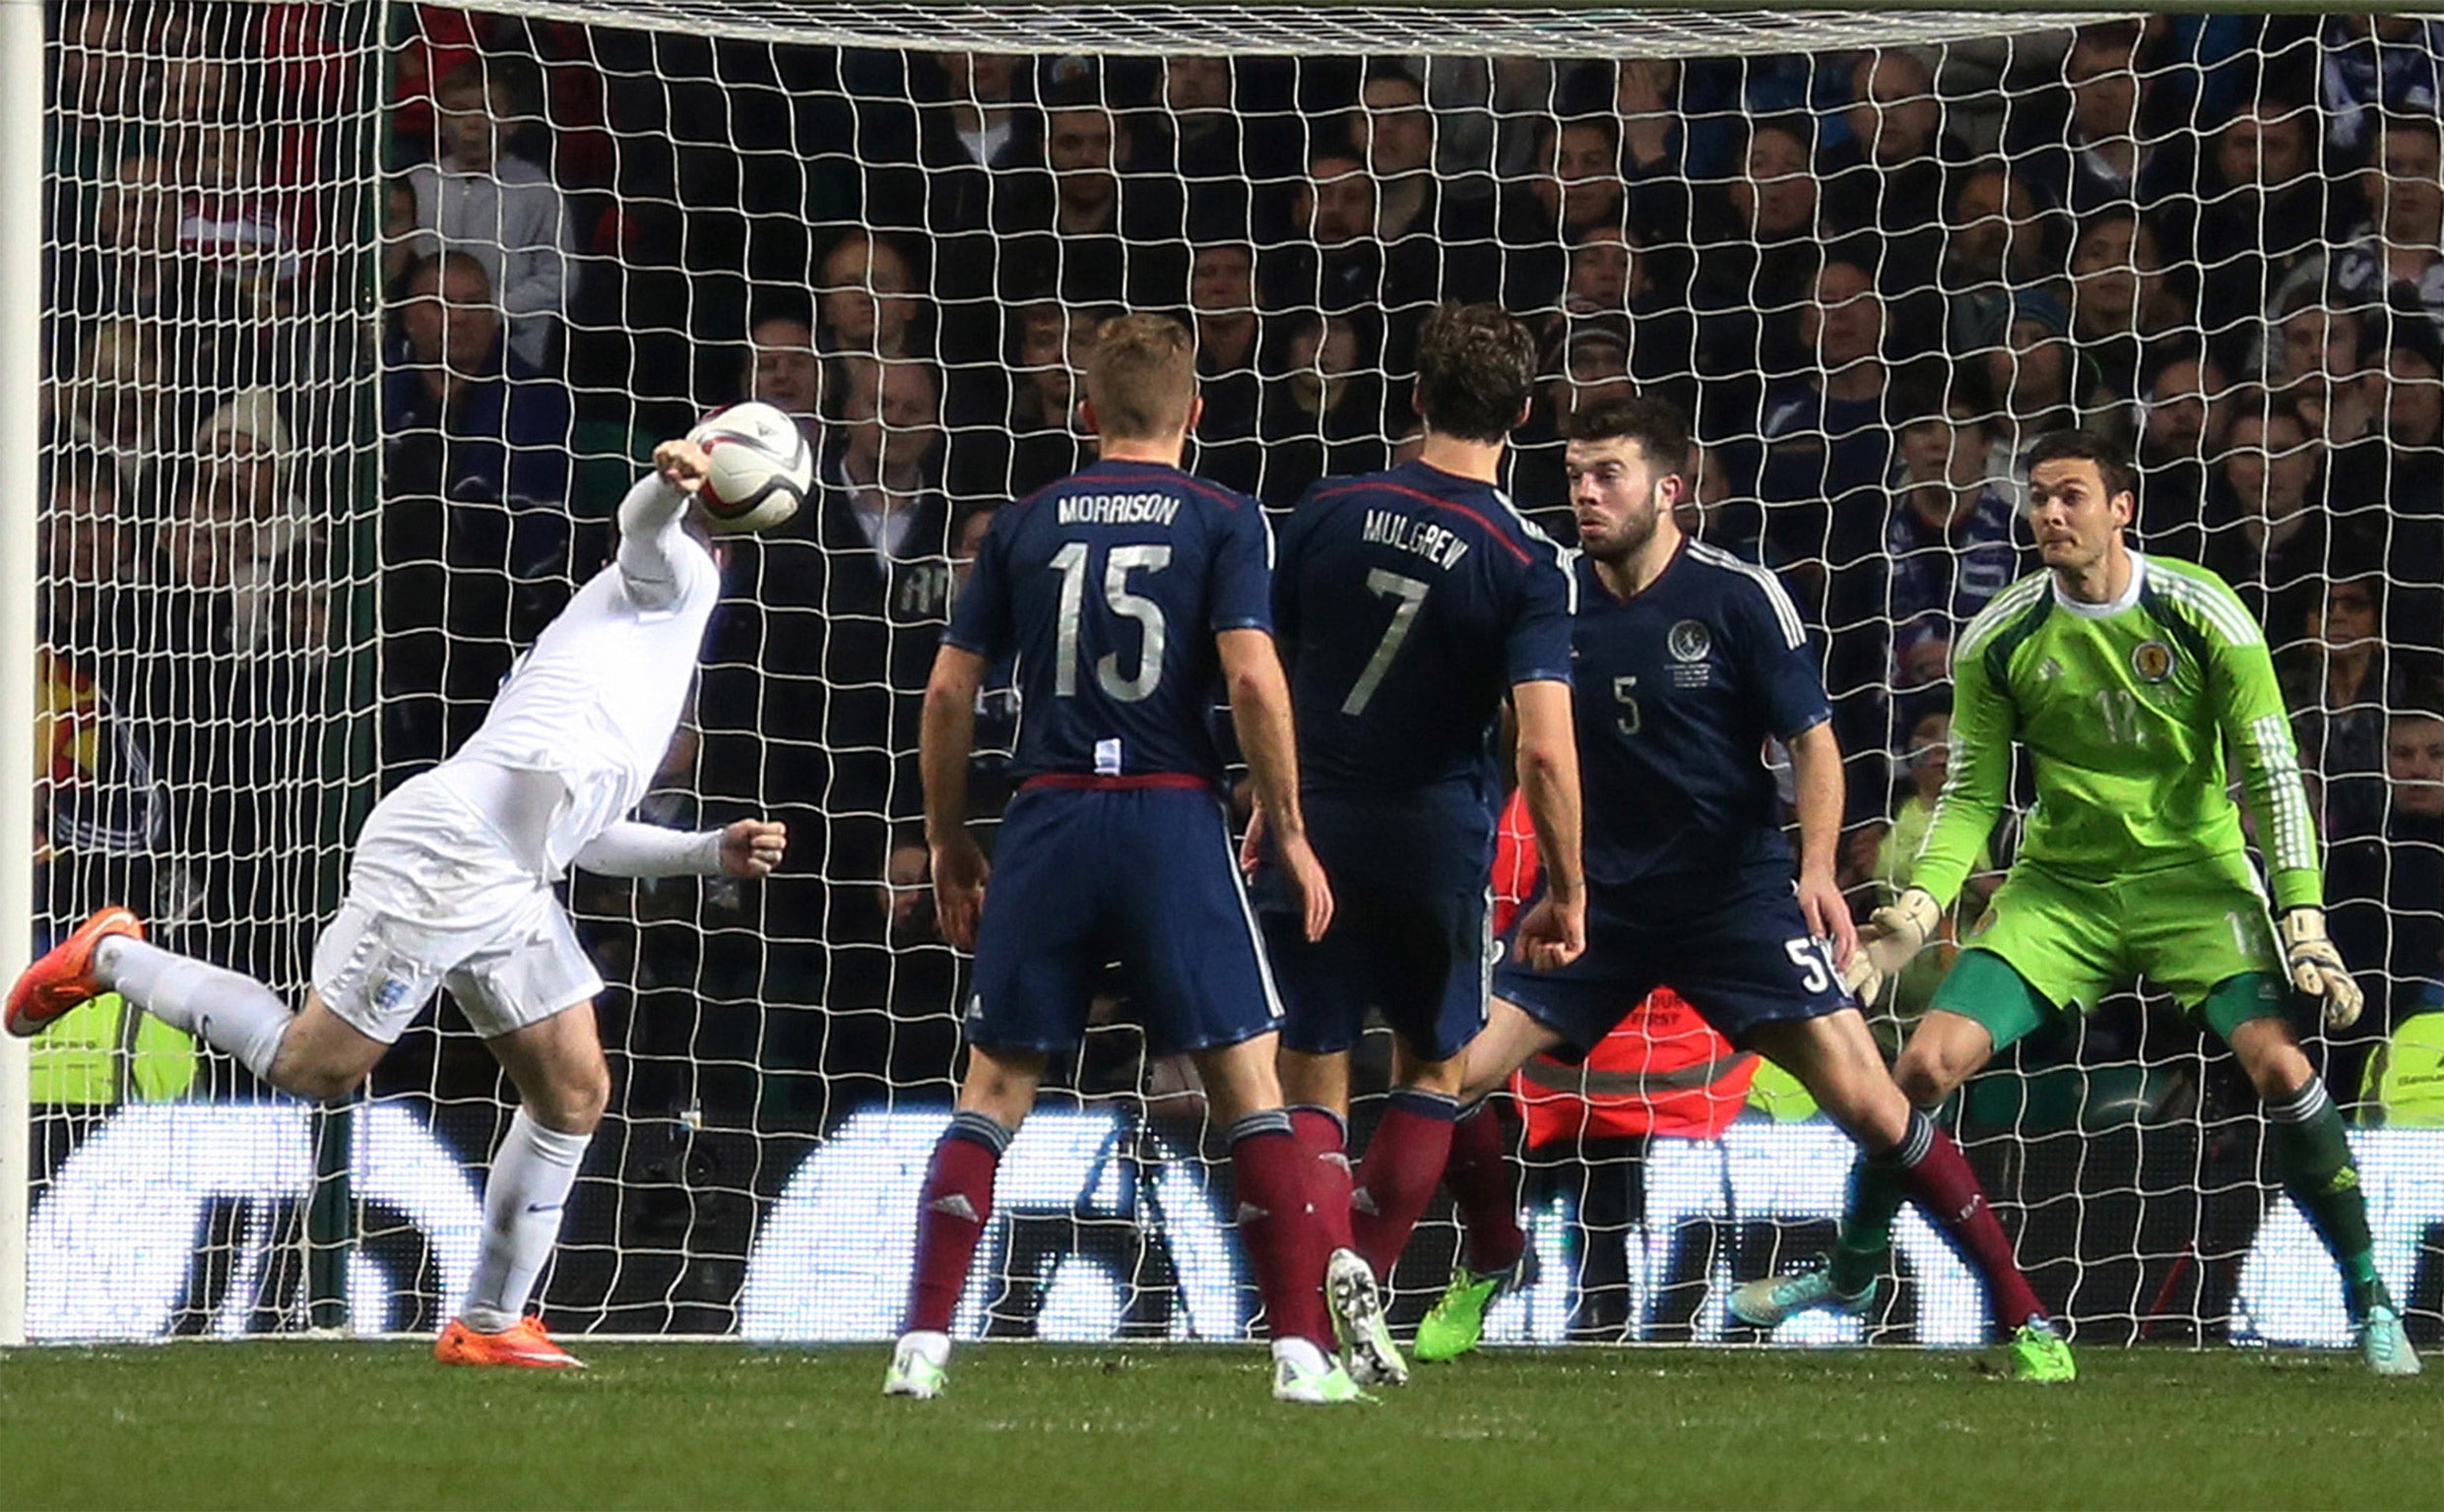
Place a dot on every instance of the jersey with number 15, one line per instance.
(1408, 603)
(1110, 587)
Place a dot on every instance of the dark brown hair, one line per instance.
(1476, 367)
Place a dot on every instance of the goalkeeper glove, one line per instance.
(1891, 935)
(2316, 967)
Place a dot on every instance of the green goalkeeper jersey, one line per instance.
(2126, 710)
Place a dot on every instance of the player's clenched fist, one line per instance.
(682, 465)
(752, 848)
(2316, 967)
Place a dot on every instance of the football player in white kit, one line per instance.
(451, 884)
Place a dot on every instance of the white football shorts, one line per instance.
(436, 899)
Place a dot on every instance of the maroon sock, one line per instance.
(1396, 1179)
(1486, 1186)
(951, 1214)
(1326, 1139)
(1277, 1225)
(1948, 1192)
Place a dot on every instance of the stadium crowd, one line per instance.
(1871, 281)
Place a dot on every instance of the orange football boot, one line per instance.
(523, 1344)
(64, 977)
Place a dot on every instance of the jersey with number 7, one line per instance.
(2127, 711)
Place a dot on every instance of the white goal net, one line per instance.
(362, 317)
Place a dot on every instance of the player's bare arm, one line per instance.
(1260, 712)
(1816, 773)
(1546, 754)
(943, 743)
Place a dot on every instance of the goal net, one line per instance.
(360, 319)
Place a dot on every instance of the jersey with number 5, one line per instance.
(1408, 603)
(1110, 587)
(2126, 711)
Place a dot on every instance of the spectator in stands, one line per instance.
(1646, 98)
(882, 472)
(2373, 67)
(2036, 382)
(1081, 230)
(867, 299)
(2284, 539)
(1827, 433)
(2386, 890)
(1048, 348)
(117, 397)
(1757, 255)
(1323, 414)
(2315, 362)
(1413, 217)
(2181, 428)
(2121, 301)
(1892, 176)
(2399, 468)
(1578, 191)
(2265, 205)
(2340, 682)
(1222, 297)
(244, 530)
(1996, 241)
(496, 207)
(1950, 550)
(780, 367)
(1337, 262)
(2100, 144)
(2402, 240)
(477, 546)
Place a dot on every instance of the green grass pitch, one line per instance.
(319, 1424)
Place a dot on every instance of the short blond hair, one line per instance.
(1141, 377)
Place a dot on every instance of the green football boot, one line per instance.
(1458, 1320)
(2039, 1355)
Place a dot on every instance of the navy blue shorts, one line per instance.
(1411, 915)
(1144, 876)
(1747, 961)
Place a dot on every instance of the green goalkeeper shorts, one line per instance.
(2187, 929)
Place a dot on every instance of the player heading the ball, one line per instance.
(2125, 678)
(451, 884)
(1132, 594)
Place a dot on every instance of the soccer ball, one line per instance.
(761, 468)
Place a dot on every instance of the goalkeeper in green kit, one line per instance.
(2125, 678)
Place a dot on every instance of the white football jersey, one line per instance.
(595, 700)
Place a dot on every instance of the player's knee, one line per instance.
(574, 1103)
(316, 1081)
(1924, 1080)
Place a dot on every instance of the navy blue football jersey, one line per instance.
(1408, 604)
(1675, 692)
(1110, 587)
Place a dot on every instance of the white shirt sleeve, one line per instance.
(652, 532)
(628, 849)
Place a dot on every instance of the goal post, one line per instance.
(257, 241)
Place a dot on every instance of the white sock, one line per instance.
(531, 1172)
(227, 1011)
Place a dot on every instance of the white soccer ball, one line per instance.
(762, 469)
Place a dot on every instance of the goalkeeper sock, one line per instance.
(951, 1214)
(1937, 1175)
(1325, 1137)
(234, 1014)
(1486, 1186)
(2314, 1156)
(523, 1199)
(1277, 1224)
(1863, 1252)
(1403, 1163)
